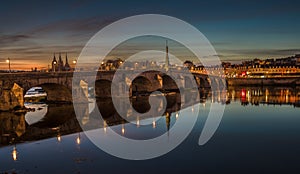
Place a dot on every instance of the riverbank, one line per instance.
(266, 81)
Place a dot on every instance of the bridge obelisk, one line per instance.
(167, 63)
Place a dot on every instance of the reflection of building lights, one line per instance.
(123, 129)
(177, 115)
(243, 93)
(153, 124)
(204, 104)
(193, 108)
(137, 122)
(14, 153)
(58, 138)
(78, 141)
(104, 125)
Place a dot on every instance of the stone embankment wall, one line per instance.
(293, 81)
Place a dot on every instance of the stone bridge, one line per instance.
(58, 85)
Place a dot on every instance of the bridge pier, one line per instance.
(11, 97)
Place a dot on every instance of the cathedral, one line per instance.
(58, 65)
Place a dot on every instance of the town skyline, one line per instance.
(30, 36)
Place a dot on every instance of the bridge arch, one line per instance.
(188, 82)
(169, 84)
(55, 92)
(141, 85)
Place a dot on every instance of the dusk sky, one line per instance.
(32, 30)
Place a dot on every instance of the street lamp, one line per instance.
(54, 64)
(8, 61)
(74, 62)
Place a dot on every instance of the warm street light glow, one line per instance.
(58, 138)
(104, 125)
(78, 139)
(14, 153)
(153, 124)
(123, 129)
(54, 63)
(137, 122)
(74, 61)
(8, 61)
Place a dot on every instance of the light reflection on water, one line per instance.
(259, 132)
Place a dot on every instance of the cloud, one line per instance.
(12, 38)
(83, 25)
(38, 44)
(266, 52)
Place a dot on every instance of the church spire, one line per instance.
(167, 63)
(67, 66)
(54, 58)
(60, 63)
(67, 58)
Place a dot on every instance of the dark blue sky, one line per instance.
(31, 31)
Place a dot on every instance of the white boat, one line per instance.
(35, 92)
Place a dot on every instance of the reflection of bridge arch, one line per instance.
(103, 88)
(51, 119)
(190, 97)
(218, 82)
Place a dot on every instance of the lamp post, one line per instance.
(74, 62)
(54, 64)
(8, 61)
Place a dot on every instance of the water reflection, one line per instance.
(14, 153)
(265, 95)
(78, 140)
(56, 120)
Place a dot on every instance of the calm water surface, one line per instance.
(259, 133)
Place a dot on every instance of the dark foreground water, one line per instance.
(259, 132)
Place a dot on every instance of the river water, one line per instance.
(259, 132)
